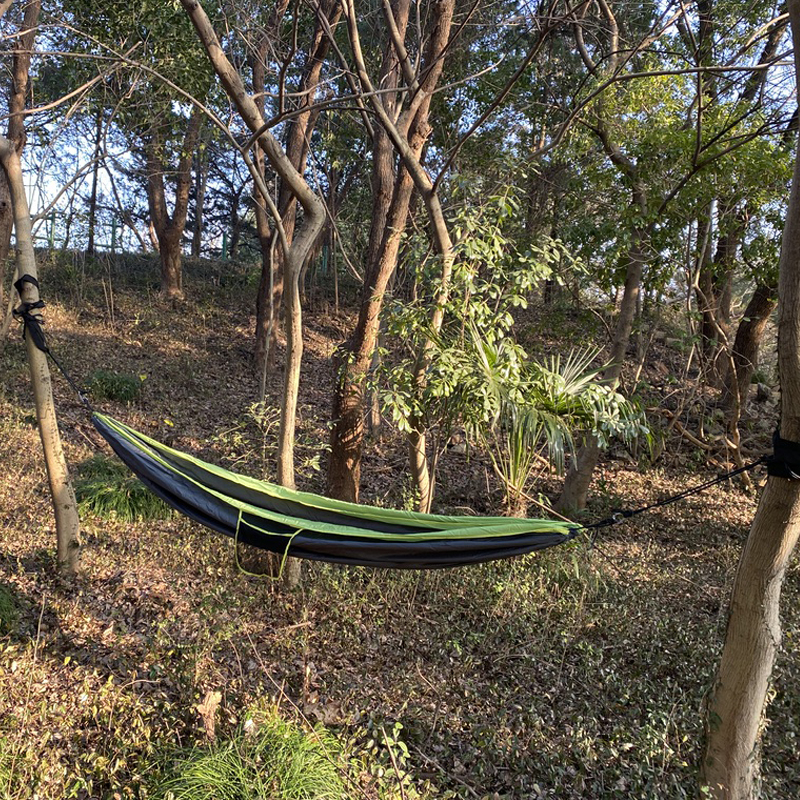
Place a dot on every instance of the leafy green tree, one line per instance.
(165, 69)
(666, 145)
(522, 412)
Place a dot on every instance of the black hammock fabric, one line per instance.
(310, 526)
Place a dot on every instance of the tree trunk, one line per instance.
(353, 362)
(397, 129)
(291, 388)
(98, 140)
(747, 344)
(236, 228)
(391, 197)
(17, 100)
(295, 252)
(169, 228)
(169, 247)
(736, 707)
(64, 504)
(298, 135)
(704, 289)
(6, 227)
(264, 351)
(576, 484)
(200, 180)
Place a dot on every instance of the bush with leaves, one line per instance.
(521, 411)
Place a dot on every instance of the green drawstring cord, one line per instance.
(257, 574)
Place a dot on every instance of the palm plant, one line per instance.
(536, 408)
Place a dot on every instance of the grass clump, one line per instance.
(268, 758)
(106, 488)
(9, 613)
(106, 384)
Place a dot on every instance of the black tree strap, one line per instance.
(785, 459)
(30, 315)
(620, 516)
(32, 326)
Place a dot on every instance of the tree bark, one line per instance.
(265, 344)
(63, 496)
(748, 342)
(169, 228)
(170, 240)
(715, 292)
(200, 181)
(298, 137)
(736, 707)
(354, 360)
(441, 17)
(98, 140)
(391, 196)
(17, 99)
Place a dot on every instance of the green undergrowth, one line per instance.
(106, 384)
(106, 488)
(8, 610)
(270, 757)
(17, 766)
(267, 758)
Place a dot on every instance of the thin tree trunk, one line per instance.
(264, 352)
(736, 708)
(353, 362)
(391, 197)
(396, 129)
(576, 484)
(6, 227)
(200, 181)
(64, 504)
(295, 252)
(17, 100)
(98, 140)
(748, 342)
(298, 136)
(236, 228)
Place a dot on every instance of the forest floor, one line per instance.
(573, 673)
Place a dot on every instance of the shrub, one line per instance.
(106, 488)
(267, 759)
(105, 384)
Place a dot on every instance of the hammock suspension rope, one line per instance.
(319, 528)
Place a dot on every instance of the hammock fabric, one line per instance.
(310, 526)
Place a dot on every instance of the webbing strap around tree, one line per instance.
(32, 326)
(785, 459)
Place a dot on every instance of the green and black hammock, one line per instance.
(310, 526)
(299, 523)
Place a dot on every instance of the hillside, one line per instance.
(579, 672)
